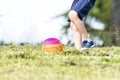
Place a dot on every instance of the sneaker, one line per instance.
(87, 44)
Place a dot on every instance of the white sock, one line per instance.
(86, 40)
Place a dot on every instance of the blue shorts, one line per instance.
(82, 7)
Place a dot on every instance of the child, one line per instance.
(80, 9)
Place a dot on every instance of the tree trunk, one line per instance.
(115, 22)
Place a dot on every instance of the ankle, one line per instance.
(86, 40)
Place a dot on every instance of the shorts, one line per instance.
(82, 7)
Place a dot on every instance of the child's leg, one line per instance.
(80, 9)
(78, 24)
(76, 36)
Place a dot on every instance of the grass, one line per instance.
(29, 63)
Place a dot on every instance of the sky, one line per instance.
(30, 20)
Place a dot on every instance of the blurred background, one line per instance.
(33, 21)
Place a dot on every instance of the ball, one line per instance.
(52, 45)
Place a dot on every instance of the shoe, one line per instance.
(87, 44)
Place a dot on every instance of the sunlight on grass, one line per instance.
(29, 63)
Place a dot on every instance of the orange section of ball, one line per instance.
(52, 45)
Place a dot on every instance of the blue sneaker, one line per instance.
(87, 44)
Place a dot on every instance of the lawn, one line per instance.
(29, 63)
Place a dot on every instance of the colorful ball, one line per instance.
(52, 45)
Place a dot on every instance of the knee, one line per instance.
(73, 15)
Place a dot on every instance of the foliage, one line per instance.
(101, 12)
(2, 42)
(29, 63)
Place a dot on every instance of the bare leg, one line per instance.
(79, 24)
(76, 36)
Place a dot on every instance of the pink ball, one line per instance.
(52, 45)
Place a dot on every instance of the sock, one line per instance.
(86, 40)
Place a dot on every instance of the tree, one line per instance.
(115, 22)
(101, 12)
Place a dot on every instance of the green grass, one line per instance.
(29, 63)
